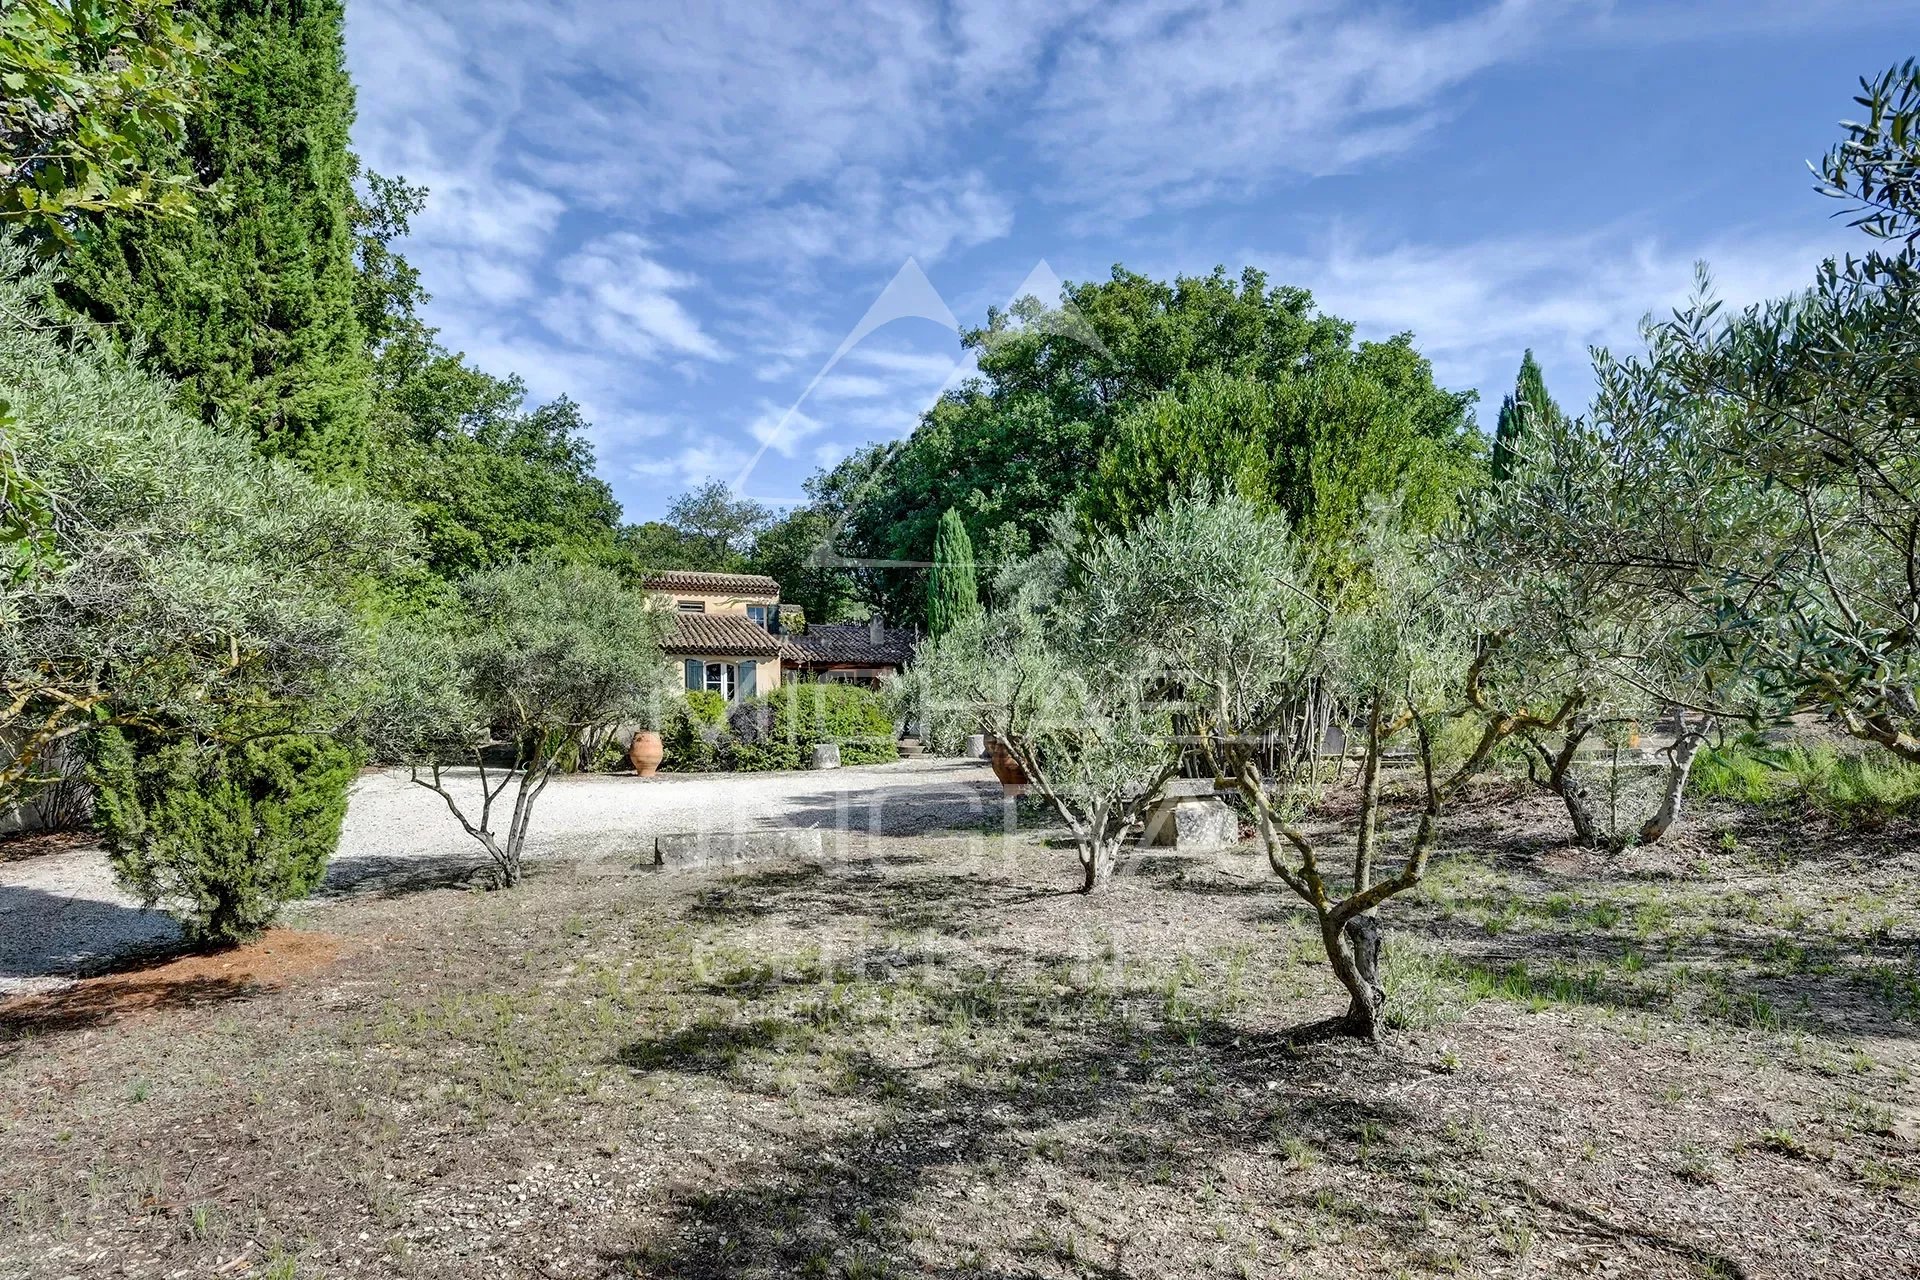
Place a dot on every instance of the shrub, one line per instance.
(693, 731)
(779, 730)
(221, 836)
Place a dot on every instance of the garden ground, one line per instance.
(926, 1058)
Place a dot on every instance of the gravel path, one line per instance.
(62, 913)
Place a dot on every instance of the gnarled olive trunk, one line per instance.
(1097, 859)
(1355, 953)
(1566, 783)
(1680, 758)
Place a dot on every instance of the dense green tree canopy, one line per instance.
(251, 306)
(1011, 447)
(489, 480)
(1321, 444)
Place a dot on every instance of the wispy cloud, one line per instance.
(677, 213)
(618, 297)
(1473, 307)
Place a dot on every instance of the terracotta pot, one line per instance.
(646, 753)
(1013, 778)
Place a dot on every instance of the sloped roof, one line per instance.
(721, 634)
(849, 642)
(712, 584)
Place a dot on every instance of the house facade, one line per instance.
(724, 636)
(730, 636)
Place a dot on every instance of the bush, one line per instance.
(693, 731)
(779, 730)
(221, 836)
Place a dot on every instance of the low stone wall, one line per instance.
(696, 849)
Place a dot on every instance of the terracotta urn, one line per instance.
(1013, 778)
(646, 753)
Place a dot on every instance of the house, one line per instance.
(729, 636)
(848, 652)
(723, 638)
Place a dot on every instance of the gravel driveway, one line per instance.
(62, 913)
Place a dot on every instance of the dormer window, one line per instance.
(691, 606)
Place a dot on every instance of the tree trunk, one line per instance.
(1680, 759)
(1355, 956)
(1096, 863)
(1366, 938)
(1573, 791)
(1369, 802)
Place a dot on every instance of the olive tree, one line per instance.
(532, 661)
(1084, 719)
(1217, 595)
(1760, 469)
(181, 587)
(1573, 653)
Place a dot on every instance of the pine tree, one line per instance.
(953, 595)
(1527, 406)
(251, 305)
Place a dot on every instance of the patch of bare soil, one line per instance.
(277, 958)
(929, 1058)
(19, 846)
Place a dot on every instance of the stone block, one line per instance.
(826, 755)
(690, 850)
(977, 747)
(1191, 822)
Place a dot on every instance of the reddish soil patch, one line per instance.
(268, 963)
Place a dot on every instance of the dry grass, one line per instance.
(929, 1060)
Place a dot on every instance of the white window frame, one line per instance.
(721, 678)
(762, 610)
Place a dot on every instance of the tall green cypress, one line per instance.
(953, 594)
(1529, 404)
(251, 305)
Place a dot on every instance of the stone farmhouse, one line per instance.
(732, 636)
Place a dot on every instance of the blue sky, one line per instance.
(680, 214)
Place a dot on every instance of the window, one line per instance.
(720, 677)
(691, 606)
(757, 614)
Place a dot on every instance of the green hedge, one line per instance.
(779, 730)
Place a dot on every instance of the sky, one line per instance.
(745, 236)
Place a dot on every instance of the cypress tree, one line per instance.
(251, 305)
(1529, 404)
(953, 595)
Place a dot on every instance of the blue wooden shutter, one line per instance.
(747, 669)
(695, 674)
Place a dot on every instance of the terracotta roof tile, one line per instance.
(719, 584)
(720, 634)
(849, 642)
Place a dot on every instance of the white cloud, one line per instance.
(1472, 308)
(620, 298)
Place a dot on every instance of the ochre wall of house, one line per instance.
(735, 605)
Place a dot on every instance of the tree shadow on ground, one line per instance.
(955, 905)
(843, 1204)
(44, 934)
(384, 877)
(89, 1005)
